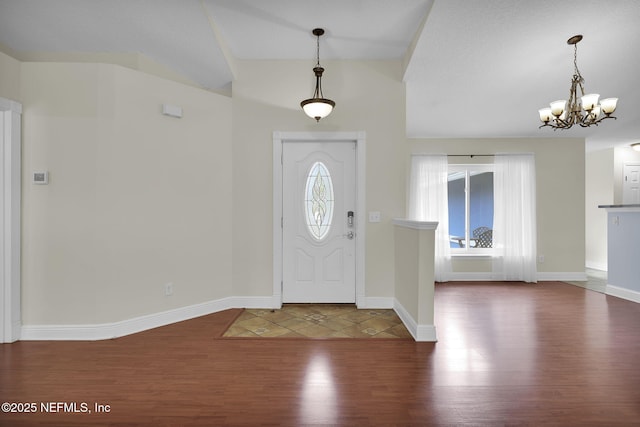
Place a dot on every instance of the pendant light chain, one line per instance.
(317, 51)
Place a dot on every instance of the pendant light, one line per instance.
(318, 107)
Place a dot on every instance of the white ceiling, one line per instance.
(479, 68)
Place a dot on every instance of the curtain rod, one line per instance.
(474, 155)
(489, 155)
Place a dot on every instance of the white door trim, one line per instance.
(10, 147)
(360, 139)
(626, 196)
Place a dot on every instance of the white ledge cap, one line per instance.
(417, 225)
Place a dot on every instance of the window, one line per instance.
(470, 193)
(318, 201)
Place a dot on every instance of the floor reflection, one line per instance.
(472, 346)
(319, 395)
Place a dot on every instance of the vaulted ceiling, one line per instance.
(477, 69)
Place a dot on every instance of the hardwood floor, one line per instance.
(508, 354)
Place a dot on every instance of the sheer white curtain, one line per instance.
(514, 222)
(428, 201)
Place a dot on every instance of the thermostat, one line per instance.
(40, 177)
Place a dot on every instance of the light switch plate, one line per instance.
(374, 216)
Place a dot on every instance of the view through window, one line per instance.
(470, 192)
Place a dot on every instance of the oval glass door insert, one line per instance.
(318, 201)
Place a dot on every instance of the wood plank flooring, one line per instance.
(508, 354)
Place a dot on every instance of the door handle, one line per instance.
(350, 235)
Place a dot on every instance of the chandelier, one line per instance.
(586, 111)
(318, 107)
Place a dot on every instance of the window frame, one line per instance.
(467, 168)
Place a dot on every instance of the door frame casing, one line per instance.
(10, 210)
(624, 186)
(279, 138)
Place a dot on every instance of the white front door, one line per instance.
(318, 229)
(631, 184)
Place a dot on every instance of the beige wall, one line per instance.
(560, 169)
(369, 97)
(9, 77)
(599, 185)
(136, 199)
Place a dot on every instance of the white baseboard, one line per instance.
(426, 333)
(420, 333)
(595, 265)
(586, 285)
(563, 276)
(377, 302)
(623, 293)
(255, 302)
(487, 276)
(104, 331)
(478, 276)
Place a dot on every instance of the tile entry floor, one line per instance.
(318, 321)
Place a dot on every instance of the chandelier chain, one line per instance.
(575, 59)
(577, 76)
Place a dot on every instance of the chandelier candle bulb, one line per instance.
(557, 107)
(608, 105)
(590, 101)
(545, 114)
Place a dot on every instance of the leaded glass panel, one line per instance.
(319, 201)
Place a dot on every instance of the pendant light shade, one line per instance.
(318, 107)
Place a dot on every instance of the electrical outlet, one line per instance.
(168, 289)
(540, 259)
